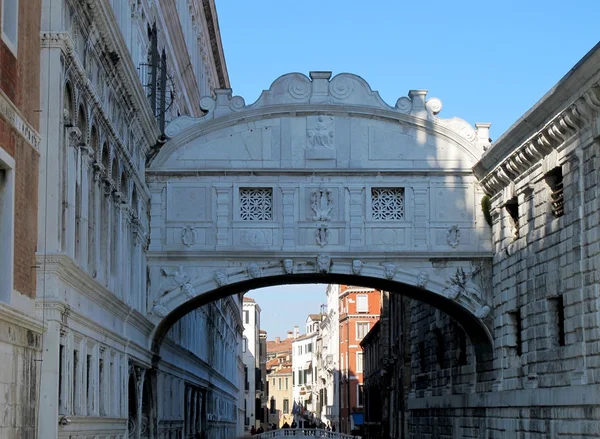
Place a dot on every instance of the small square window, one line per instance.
(387, 204)
(256, 204)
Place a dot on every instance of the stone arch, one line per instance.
(68, 103)
(114, 170)
(81, 122)
(134, 201)
(460, 302)
(123, 186)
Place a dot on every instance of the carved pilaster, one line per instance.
(223, 193)
(421, 203)
(356, 216)
(289, 230)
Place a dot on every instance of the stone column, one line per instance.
(86, 158)
(51, 124)
(98, 199)
(139, 381)
(73, 136)
(118, 246)
(289, 223)
(49, 391)
(356, 219)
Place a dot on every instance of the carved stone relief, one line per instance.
(189, 236)
(253, 271)
(322, 235)
(389, 270)
(288, 266)
(323, 264)
(321, 204)
(322, 134)
(357, 267)
(453, 236)
(220, 278)
(422, 279)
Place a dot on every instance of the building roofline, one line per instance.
(216, 45)
(562, 94)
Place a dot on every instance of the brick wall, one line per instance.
(20, 81)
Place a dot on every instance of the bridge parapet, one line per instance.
(305, 433)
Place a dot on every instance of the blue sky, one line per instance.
(488, 61)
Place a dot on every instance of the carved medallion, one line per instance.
(389, 270)
(321, 204)
(357, 267)
(322, 235)
(453, 236)
(323, 264)
(288, 266)
(189, 236)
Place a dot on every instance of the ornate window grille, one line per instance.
(256, 204)
(387, 204)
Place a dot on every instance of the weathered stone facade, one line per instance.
(542, 380)
(105, 64)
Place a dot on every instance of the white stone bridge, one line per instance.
(320, 181)
(300, 433)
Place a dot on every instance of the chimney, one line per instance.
(290, 334)
(296, 331)
(277, 340)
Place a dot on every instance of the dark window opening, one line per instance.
(512, 207)
(61, 396)
(557, 318)
(422, 356)
(439, 339)
(554, 179)
(516, 322)
(462, 347)
(75, 388)
(272, 407)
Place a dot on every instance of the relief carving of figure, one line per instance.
(288, 266)
(321, 204)
(357, 266)
(322, 135)
(323, 263)
(462, 283)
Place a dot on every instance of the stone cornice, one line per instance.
(18, 318)
(210, 13)
(105, 20)
(497, 174)
(64, 42)
(10, 113)
(69, 272)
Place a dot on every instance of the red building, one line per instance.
(359, 310)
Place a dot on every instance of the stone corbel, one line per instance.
(74, 136)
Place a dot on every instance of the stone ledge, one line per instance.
(566, 396)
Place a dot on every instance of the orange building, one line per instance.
(359, 310)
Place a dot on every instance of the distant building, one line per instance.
(252, 364)
(359, 310)
(280, 380)
(304, 366)
(328, 352)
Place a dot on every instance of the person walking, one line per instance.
(253, 431)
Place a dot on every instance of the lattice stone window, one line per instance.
(387, 204)
(256, 204)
